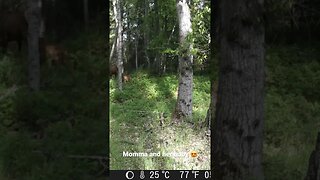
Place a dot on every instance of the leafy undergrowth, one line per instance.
(54, 133)
(292, 110)
(140, 117)
(140, 122)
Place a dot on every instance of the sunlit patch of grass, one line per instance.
(184, 139)
(152, 92)
(136, 115)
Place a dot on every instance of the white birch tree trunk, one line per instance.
(184, 102)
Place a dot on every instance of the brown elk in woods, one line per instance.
(51, 53)
(113, 71)
(55, 54)
(13, 27)
(126, 77)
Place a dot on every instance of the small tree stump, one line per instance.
(314, 163)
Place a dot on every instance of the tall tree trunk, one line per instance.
(33, 16)
(184, 102)
(114, 44)
(42, 51)
(129, 36)
(163, 65)
(238, 129)
(136, 49)
(42, 21)
(117, 6)
(314, 163)
(213, 101)
(146, 32)
(85, 14)
(157, 60)
(213, 91)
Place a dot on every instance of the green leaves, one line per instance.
(170, 51)
(201, 31)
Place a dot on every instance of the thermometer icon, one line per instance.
(142, 176)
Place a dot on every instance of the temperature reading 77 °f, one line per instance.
(195, 174)
(184, 174)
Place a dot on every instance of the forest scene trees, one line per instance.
(52, 89)
(254, 78)
(164, 49)
(234, 82)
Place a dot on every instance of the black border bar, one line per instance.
(160, 174)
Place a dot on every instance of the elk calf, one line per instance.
(126, 78)
(113, 71)
(52, 54)
(55, 54)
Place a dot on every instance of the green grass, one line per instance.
(135, 124)
(70, 110)
(292, 116)
(292, 110)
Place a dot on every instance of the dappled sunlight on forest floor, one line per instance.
(142, 135)
(174, 143)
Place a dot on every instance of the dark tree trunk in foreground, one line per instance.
(33, 16)
(314, 163)
(184, 102)
(238, 129)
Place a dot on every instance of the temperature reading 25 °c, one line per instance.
(156, 174)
